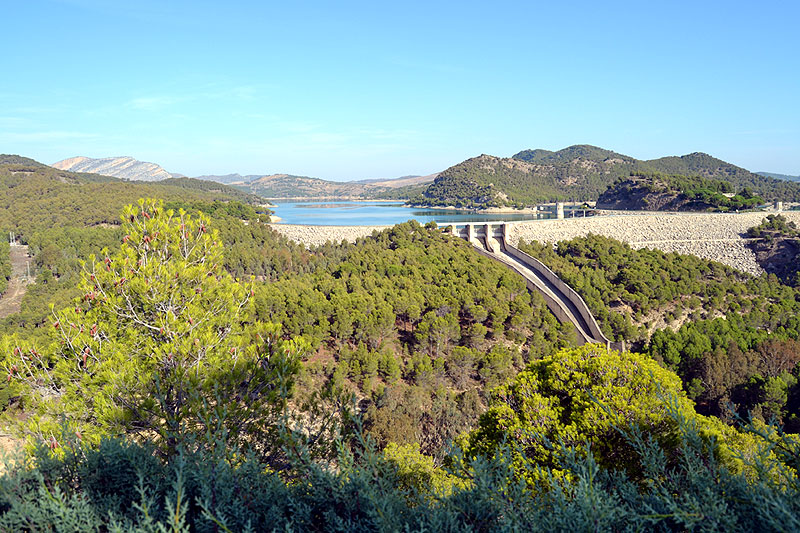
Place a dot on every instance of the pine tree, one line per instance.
(161, 345)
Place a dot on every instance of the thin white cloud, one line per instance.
(13, 122)
(297, 126)
(244, 92)
(160, 102)
(768, 131)
(42, 136)
(151, 103)
(442, 68)
(389, 134)
(12, 106)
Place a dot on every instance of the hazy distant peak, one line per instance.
(70, 162)
(228, 179)
(785, 177)
(124, 167)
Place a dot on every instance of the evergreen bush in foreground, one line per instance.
(122, 486)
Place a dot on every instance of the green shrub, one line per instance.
(120, 487)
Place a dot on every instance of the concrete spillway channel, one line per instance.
(566, 304)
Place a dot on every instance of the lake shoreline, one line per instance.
(385, 213)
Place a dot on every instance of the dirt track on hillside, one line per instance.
(11, 301)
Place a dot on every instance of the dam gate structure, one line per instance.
(562, 300)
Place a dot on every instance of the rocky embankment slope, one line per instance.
(709, 235)
(715, 236)
(317, 235)
(642, 194)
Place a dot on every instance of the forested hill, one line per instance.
(289, 186)
(34, 196)
(11, 159)
(579, 172)
(674, 192)
(706, 166)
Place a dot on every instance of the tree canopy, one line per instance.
(587, 397)
(157, 344)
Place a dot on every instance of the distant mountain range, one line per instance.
(779, 176)
(229, 179)
(272, 186)
(280, 186)
(580, 172)
(276, 186)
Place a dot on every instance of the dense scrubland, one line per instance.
(731, 337)
(655, 191)
(197, 371)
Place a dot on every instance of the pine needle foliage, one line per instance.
(161, 345)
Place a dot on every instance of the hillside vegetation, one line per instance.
(65, 216)
(733, 339)
(161, 400)
(411, 321)
(777, 247)
(670, 192)
(577, 173)
(5, 265)
(35, 197)
(198, 372)
(786, 177)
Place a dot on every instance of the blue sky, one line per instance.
(353, 90)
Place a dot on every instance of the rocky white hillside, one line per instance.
(118, 167)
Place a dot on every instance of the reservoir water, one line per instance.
(348, 213)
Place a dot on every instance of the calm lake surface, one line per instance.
(343, 213)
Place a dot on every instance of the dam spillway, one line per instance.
(566, 304)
